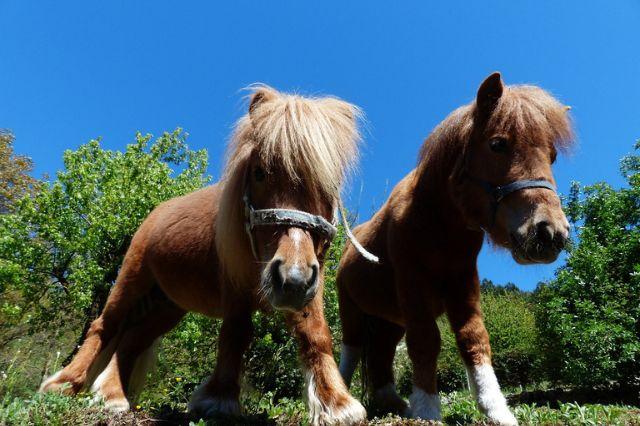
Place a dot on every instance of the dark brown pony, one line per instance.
(201, 253)
(485, 170)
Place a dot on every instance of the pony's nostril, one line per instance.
(276, 275)
(544, 233)
(314, 276)
(560, 241)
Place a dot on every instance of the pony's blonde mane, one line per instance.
(314, 141)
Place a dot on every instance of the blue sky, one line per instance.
(72, 71)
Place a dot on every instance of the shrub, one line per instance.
(186, 356)
(589, 314)
(61, 249)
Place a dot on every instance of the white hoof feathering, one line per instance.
(351, 413)
(425, 406)
(48, 381)
(117, 405)
(349, 358)
(485, 388)
(206, 405)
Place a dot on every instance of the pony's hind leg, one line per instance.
(120, 383)
(379, 352)
(132, 283)
(219, 393)
(352, 320)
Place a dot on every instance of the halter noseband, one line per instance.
(498, 192)
(284, 217)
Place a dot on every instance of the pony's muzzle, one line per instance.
(292, 286)
(542, 243)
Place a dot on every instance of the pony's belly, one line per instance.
(195, 295)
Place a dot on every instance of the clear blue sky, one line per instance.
(72, 71)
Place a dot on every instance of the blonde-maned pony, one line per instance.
(194, 253)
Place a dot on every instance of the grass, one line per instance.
(458, 409)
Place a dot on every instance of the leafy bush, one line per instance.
(589, 314)
(186, 356)
(61, 249)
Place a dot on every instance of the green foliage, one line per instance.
(510, 320)
(15, 178)
(272, 360)
(459, 408)
(61, 249)
(52, 409)
(589, 314)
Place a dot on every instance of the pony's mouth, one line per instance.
(284, 296)
(526, 250)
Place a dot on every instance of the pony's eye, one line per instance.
(498, 145)
(258, 174)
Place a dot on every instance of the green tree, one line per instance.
(61, 249)
(589, 315)
(15, 178)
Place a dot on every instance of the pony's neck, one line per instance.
(432, 195)
(432, 184)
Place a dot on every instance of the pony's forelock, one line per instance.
(533, 112)
(313, 140)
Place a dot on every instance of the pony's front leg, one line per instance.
(465, 316)
(219, 394)
(328, 398)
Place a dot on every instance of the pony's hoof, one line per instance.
(349, 413)
(57, 383)
(503, 417)
(207, 407)
(387, 400)
(119, 405)
(425, 406)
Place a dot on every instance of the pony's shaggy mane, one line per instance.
(527, 111)
(313, 140)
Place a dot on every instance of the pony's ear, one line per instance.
(489, 93)
(261, 95)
